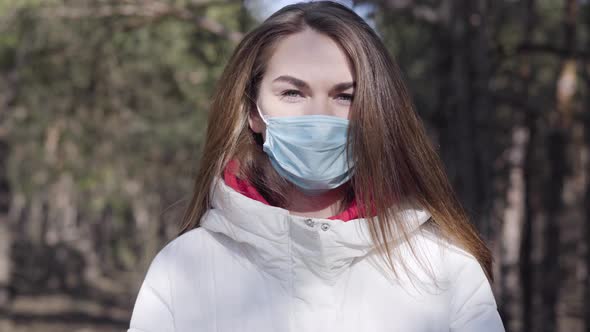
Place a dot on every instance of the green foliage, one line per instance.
(118, 103)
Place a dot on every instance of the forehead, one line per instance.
(310, 56)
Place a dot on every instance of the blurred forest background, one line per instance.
(103, 105)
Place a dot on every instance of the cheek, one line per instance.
(261, 128)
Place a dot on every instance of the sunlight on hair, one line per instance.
(261, 9)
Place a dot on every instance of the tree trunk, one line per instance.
(5, 233)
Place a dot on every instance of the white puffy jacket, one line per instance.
(252, 267)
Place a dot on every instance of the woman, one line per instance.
(320, 204)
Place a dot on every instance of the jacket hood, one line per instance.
(243, 186)
(282, 244)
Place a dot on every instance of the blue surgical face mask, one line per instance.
(309, 150)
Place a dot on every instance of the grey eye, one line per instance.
(347, 96)
(289, 93)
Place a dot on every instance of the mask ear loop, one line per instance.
(260, 113)
(257, 108)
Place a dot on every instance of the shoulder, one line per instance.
(173, 268)
(433, 260)
(469, 283)
(472, 302)
(192, 246)
(187, 257)
(194, 239)
(188, 246)
(448, 256)
(458, 270)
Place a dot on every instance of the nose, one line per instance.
(320, 105)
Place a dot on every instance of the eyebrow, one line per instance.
(303, 85)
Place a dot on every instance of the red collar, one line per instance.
(246, 188)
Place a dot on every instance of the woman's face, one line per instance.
(307, 74)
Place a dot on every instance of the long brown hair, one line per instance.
(396, 164)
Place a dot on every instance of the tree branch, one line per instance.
(554, 50)
(151, 11)
(422, 13)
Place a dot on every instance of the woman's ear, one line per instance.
(256, 123)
